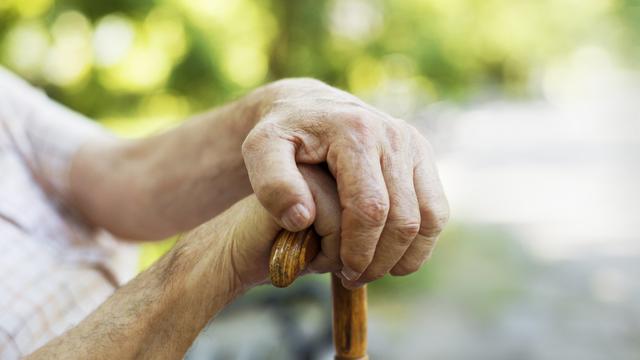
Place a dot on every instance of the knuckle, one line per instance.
(431, 228)
(257, 138)
(406, 230)
(394, 137)
(357, 261)
(435, 223)
(422, 249)
(413, 260)
(372, 211)
(250, 145)
(406, 268)
(428, 244)
(358, 124)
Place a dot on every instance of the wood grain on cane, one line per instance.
(290, 255)
(349, 321)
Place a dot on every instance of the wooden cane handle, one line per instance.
(290, 255)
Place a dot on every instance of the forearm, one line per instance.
(159, 313)
(155, 187)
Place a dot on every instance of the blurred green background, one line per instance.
(130, 63)
(141, 66)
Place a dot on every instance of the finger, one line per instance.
(270, 160)
(365, 204)
(327, 223)
(403, 222)
(434, 214)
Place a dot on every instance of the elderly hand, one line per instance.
(391, 201)
(393, 205)
(251, 229)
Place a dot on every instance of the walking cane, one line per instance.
(290, 255)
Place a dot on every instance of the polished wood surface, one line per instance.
(349, 321)
(290, 255)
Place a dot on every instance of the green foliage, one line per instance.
(118, 59)
(629, 12)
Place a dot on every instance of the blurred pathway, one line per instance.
(563, 171)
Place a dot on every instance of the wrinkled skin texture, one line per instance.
(251, 251)
(392, 202)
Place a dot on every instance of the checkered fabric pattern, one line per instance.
(54, 269)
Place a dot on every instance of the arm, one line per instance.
(143, 189)
(393, 203)
(155, 187)
(159, 313)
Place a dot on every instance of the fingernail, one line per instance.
(349, 274)
(295, 218)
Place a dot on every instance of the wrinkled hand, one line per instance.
(250, 229)
(392, 203)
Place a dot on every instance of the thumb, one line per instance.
(271, 164)
(250, 233)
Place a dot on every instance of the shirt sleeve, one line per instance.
(45, 133)
(8, 347)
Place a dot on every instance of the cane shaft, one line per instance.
(349, 321)
(290, 255)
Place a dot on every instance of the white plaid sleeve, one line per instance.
(46, 133)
